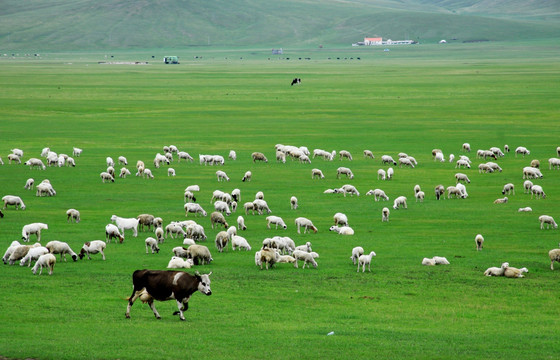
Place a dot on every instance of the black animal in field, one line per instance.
(296, 81)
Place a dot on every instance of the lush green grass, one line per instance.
(408, 100)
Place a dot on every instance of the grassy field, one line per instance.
(407, 100)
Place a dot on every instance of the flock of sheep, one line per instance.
(278, 249)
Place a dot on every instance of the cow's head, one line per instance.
(204, 283)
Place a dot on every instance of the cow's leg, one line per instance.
(135, 294)
(183, 306)
(153, 307)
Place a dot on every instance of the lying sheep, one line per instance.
(13, 200)
(512, 272)
(92, 247)
(112, 232)
(72, 215)
(179, 263)
(364, 260)
(525, 209)
(399, 202)
(554, 255)
(152, 244)
(428, 262)
(478, 240)
(239, 242)
(47, 260)
(501, 200)
(356, 253)
(509, 188)
(549, 221)
(62, 248)
(33, 228)
(496, 271)
(306, 224)
(343, 230)
(385, 214)
(241, 223)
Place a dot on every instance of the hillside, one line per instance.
(39, 25)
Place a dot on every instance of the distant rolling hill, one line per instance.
(41, 25)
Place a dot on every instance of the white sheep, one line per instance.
(126, 224)
(462, 163)
(247, 176)
(76, 151)
(293, 203)
(531, 173)
(343, 230)
(62, 248)
(525, 209)
(34, 162)
(345, 154)
(170, 172)
(554, 255)
(494, 166)
(241, 223)
(112, 232)
(10, 250)
(340, 219)
(390, 173)
(368, 154)
(554, 163)
(378, 194)
(239, 242)
(549, 221)
(160, 234)
(15, 158)
(439, 157)
(179, 263)
(29, 184)
(259, 156)
(124, 172)
(521, 150)
(381, 174)
(356, 253)
(307, 257)
(105, 176)
(344, 171)
(478, 240)
(47, 260)
(439, 191)
(496, 271)
(72, 215)
(260, 206)
(385, 214)
(485, 168)
(196, 232)
(33, 228)
(451, 157)
(33, 254)
(538, 192)
(152, 244)
(275, 220)
(455, 191)
(512, 272)
(306, 224)
(428, 262)
(463, 189)
(222, 207)
(350, 189)
(222, 176)
(45, 188)
(501, 200)
(387, 159)
(364, 260)
(509, 188)
(527, 185)
(317, 173)
(110, 161)
(419, 196)
(93, 247)
(13, 200)
(184, 155)
(122, 160)
(405, 162)
(195, 209)
(148, 174)
(232, 155)
(305, 247)
(399, 202)
(462, 177)
(174, 228)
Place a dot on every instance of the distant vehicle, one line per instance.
(171, 60)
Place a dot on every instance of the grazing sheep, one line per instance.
(122, 160)
(174, 228)
(525, 209)
(462, 177)
(501, 200)
(33, 228)
(531, 173)
(385, 214)
(13, 200)
(368, 154)
(18, 252)
(62, 248)
(439, 191)
(92, 247)
(72, 215)
(10, 250)
(364, 260)
(196, 232)
(381, 174)
(221, 241)
(462, 163)
(356, 253)
(180, 251)
(405, 162)
(538, 191)
(46, 260)
(145, 220)
(199, 254)
(238, 242)
(34, 162)
(29, 184)
(15, 158)
(307, 257)
(184, 155)
(344, 171)
(33, 254)
(152, 244)
(293, 203)
(419, 196)
(340, 219)
(195, 209)
(260, 206)
(306, 224)
(512, 272)
(521, 150)
(400, 202)
(76, 152)
(350, 189)
(218, 218)
(258, 156)
(316, 173)
(249, 206)
(485, 168)
(496, 271)
(387, 159)
(554, 163)
(170, 172)
(267, 256)
(509, 189)
(276, 220)
(343, 230)
(105, 176)
(160, 235)
(306, 247)
(148, 174)
(247, 176)
(345, 154)
(126, 223)
(241, 222)
(554, 255)
(45, 188)
(378, 194)
(110, 161)
(390, 173)
(463, 189)
(455, 191)
(179, 263)
(232, 155)
(527, 185)
(124, 172)
(494, 166)
(222, 206)
(478, 240)
(112, 232)
(549, 221)
(535, 163)
(222, 176)
(451, 157)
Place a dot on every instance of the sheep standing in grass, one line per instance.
(258, 156)
(387, 159)
(317, 173)
(29, 184)
(126, 223)
(239, 242)
(496, 271)
(304, 223)
(275, 220)
(10, 250)
(105, 177)
(554, 255)
(152, 244)
(364, 260)
(218, 218)
(13, 200)
(439, 191)
(222, 176)
(521, 150)
(399, 202)
(356, 253)
(554, 163)
(260, 206)
(344, 154)
(420, 196)
(72, 215)
(33, 228)
(340, 219)
(33, 254)
(293, 203)
(527, 185)
(47, 260)
(538, 191)
(344, 171)
(478, 240)
(462, 177)
(199, 254)
(549, 221)
(508, 189)
(195, 209)
(390, 173)
(221, 241)
(34, 162)
(378, 194)
(241, 223)
(455, 191)
(368, 154)
(76, 152)
(385, 214)
(381, 174)
(62, 248)
(92, 247)
(307, 257)
(112, 232)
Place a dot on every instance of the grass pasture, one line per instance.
(408, 100)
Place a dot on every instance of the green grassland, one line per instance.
(411, 99)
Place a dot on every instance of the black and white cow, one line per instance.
(165, 285)
(296, 81)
